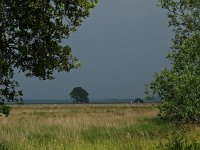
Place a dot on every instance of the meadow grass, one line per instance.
(87, 127)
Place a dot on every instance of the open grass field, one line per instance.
(87, 127)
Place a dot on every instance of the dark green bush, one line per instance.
(5, 110)
(180, 142)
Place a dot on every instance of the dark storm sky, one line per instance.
(121, 45)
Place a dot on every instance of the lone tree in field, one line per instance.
(31, 33)
(79, 95)
(179, 86)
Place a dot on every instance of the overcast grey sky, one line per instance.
(121, 45)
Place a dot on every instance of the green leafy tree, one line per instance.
(31, 33)
(179, 86)
(79, 95)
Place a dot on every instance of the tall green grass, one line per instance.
(88, 127)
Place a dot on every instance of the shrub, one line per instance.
(180, 142)
(5, 110)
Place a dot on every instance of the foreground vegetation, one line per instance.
(178, 85)
(89, 127)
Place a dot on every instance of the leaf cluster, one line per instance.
(31, 34)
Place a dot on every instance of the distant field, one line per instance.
(86, 127)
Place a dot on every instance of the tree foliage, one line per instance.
(79, 95)
(179, 86)
(5, 110)
(31, 32)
